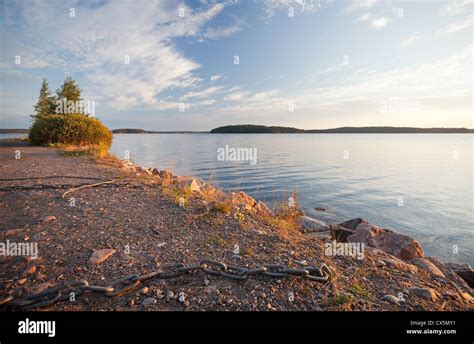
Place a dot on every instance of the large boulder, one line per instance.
(340, 233)
(398, 245)
(426, 265)
(309, 225)
(464, 271)
(352, 224)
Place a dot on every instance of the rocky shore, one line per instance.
(136, 220)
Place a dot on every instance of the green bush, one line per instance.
(71, 129)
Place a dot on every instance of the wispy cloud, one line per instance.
(457, 26)
(270, 7)
(125, 52)
(456, 7)
(416, 37)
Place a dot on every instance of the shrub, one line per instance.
(71, 129)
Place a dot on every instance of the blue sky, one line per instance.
(307, 64)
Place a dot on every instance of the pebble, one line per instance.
(169, 295)
(30, 270)
(206, 282)
(49, 218)
(149, 301)
(182, 297)
(391, 299)
(144, 290)
(22, 281)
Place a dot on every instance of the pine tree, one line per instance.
(68, 93)
(45, 104)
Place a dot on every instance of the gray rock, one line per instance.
(352, 224)
(308, 224)
(340, 233)
(425, 293)
(391, 299)
(149, 301)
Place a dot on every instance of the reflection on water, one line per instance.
(417, 184)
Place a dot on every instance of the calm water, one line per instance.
(421, 185)
(417, 184)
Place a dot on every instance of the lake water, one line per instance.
(417, 184)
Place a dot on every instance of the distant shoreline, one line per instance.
(253, 129)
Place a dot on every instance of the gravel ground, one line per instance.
(139, 220)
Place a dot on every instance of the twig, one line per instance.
(87, 186)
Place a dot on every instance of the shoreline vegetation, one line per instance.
(163, 219)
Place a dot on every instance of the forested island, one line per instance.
(261, 129)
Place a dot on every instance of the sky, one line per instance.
(196, 65)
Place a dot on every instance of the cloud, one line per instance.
(215, 77)
(455, 7)
(361, 5)
(204, 93)
(457, 26)
(126, 53)
(410, 40)
(380, 22)
(270, 7)
(223, 32)
(365, 17)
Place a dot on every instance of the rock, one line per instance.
(262, 208)
(21, 281)
(194, 184)
(149, 301)
(352, 224)
(206, 282)
(451, 275)
(425, 293)
(308, 224)
(49, 218)
(161, 245)
(146, 170)
(340, 233)
(391, 299)
(425, 264)
(398, 245)
(463, 271)
(144, 290)
(241, 198)
(99, 256)
(182, 297)
(169, 295)
(186, 303)
(166, 174)
(30, 270)
(398, 264)
(10, 232)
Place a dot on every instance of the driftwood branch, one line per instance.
(87, 186)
